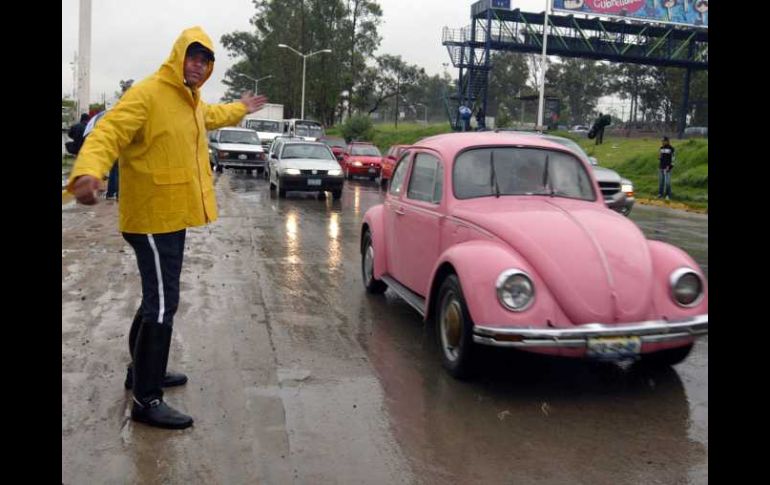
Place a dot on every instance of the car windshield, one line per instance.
(307, 129)
(335, 143)
(484, 172)
(264, 125)
(315, 151)
(365, 150)
(244, 137)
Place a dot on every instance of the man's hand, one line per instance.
(253, 103)
(85, 188)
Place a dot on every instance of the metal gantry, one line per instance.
(627, 41)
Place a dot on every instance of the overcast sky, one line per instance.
(130, 40)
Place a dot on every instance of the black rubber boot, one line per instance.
(170, 379)
(149, 353)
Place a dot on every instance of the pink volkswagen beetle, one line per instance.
(504, 239)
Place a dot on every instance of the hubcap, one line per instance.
(451, 326)
(368, 263)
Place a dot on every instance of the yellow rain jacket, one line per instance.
(158, 131)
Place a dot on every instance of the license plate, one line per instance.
(613, 348)
(372, 170)
(314, 181)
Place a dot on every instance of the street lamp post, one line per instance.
(304, 59)
(256, 81)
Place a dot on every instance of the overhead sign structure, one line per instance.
(684, 12)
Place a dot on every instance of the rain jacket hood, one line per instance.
(172, 71)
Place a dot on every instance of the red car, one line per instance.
(389, 161)
(362, 159)
(336, 144)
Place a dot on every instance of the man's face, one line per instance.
(196, 65)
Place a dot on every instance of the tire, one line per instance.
(666, 358)
(371, 284)
(281, 191)
(454, 330)
(336, 194)
(219, 168)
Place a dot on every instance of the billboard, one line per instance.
(686, 12)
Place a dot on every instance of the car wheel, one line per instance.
(219, 168)
(336, 194)
(666, 358)
(281, 191)
(371, 284)
(455, 329)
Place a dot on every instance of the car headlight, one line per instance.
(627, 187)
(291, 171)
(335, 172)
(686, 287)
(515, 290)
(358, 164)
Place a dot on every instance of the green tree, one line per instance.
(507, 81)
(392, 78)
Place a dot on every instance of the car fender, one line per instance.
(478, 264)
(666, 258)
(374, 223)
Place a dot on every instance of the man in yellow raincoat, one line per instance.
(158, 132)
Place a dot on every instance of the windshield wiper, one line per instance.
(494, 176)
(549, 190)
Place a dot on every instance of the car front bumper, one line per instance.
(303, 182)
(249, 164)
(649, 332)
(364, 171)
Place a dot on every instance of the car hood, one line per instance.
(595, 262)
(240, 147)
(605, 174)
(309, 164)
(365, 159)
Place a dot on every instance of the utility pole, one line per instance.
(84, 58)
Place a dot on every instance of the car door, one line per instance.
(393, 210)
(417, 227)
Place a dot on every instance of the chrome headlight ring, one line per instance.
(515, 279)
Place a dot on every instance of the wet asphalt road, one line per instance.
(298, 376)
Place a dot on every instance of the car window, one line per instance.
(422, 183)
(264, 125)
(398, 176)
(213, 137)
(306, 150)
(365, 150)
(244, 137)
(485, 172)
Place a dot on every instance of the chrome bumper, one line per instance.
(654, 331)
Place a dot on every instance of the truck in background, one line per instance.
(267, 122)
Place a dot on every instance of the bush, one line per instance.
(358, 128)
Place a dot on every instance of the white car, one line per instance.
(306, 166)
(580, 130)
(237, 148)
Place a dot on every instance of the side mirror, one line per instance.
(274, 156)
